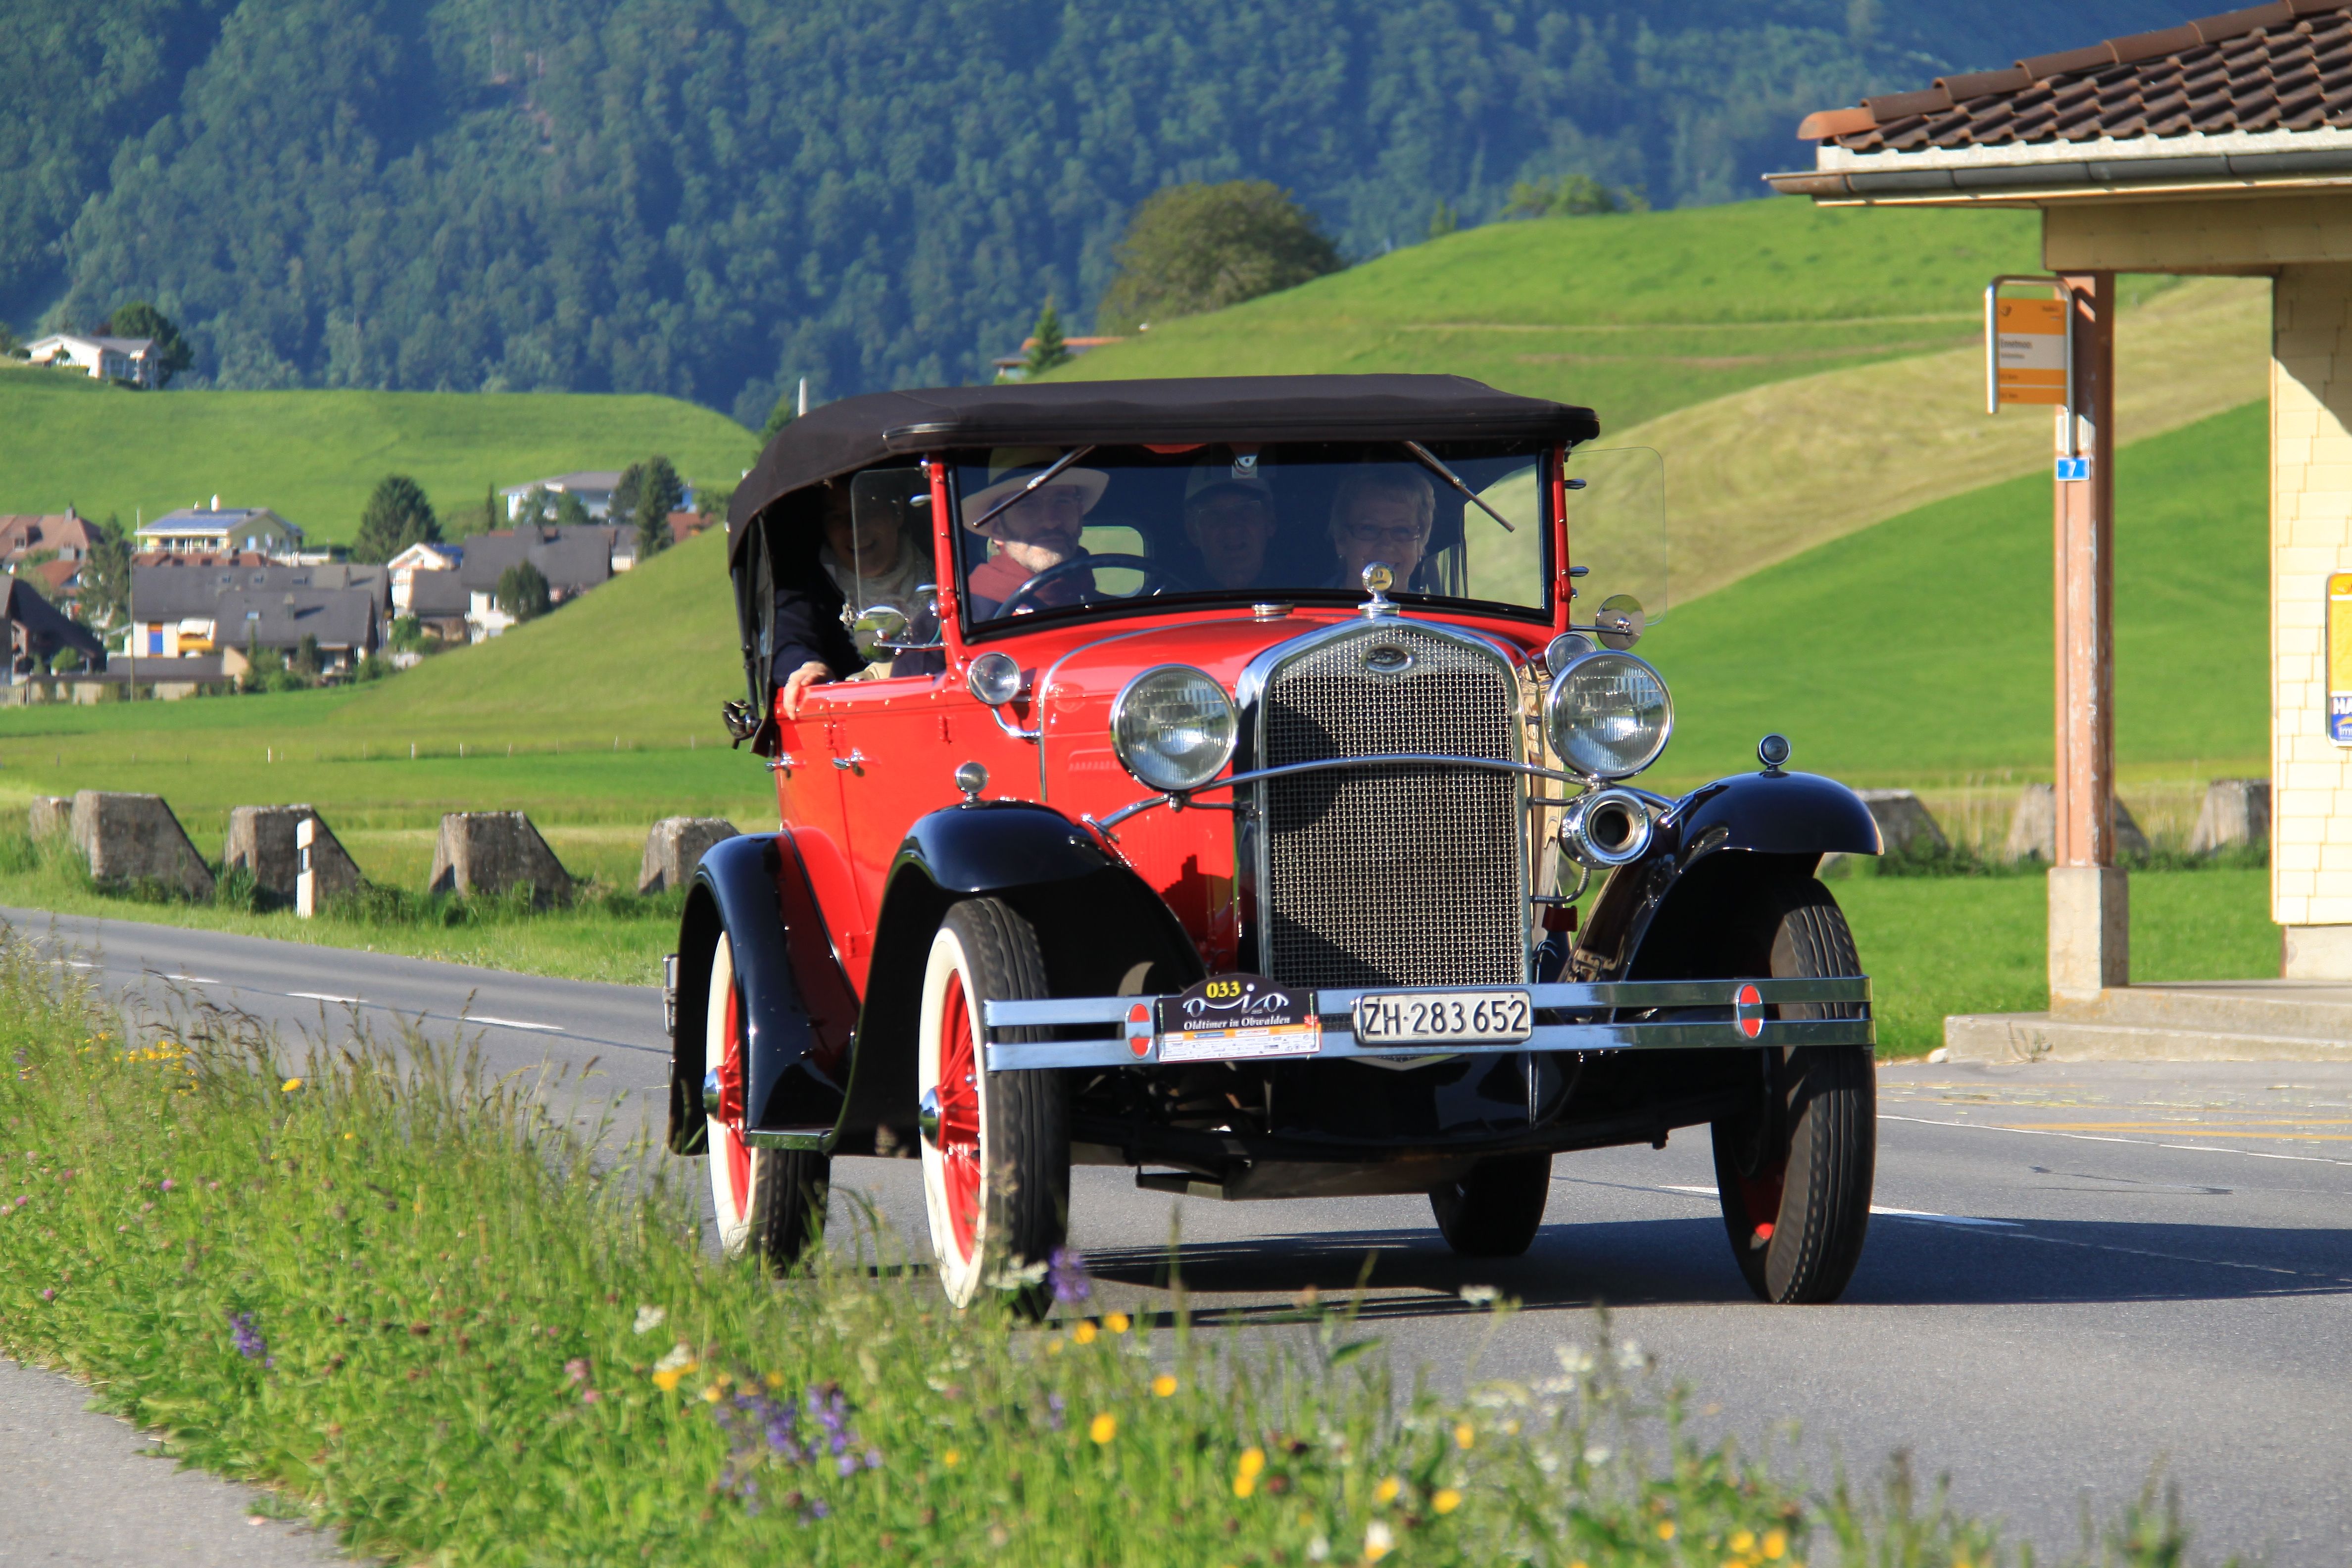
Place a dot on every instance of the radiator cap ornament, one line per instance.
(1772, 751)
(1377, 578)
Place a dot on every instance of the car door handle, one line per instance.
(852, 764)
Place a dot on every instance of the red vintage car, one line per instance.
(1217, 804)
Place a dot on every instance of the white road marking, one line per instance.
(2101, 1138)
(1891, 1214)
(322, 996)
(511, 1023)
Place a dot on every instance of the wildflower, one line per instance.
(1743, 1541)
(674, 1365)
(1379, 1541)
(1319, 1548)
(1775, 1544)
(249, 1339)
(1665, 1529)
(1629, 1357)
(48, 1295)
(1068, 1272)
(1481, 1295)
(1446, 1499)
(1164, 1386)
(1245, 1474)
(952, 1458)
(1386, 1492)
(873, 1459)
(1118, 1322)
(167, 1185)
(1085, 1332)
(1054, 1345)
(290, 1085)
(651, 1318)
(1103, 1428)
(1463, 1435)
(575, 1370)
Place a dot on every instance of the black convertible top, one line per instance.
(859, 432)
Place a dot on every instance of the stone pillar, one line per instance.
(2311, 538)
(135, 838)
(676, 847)
(50, 814)
(267, 841)
(2089, 924)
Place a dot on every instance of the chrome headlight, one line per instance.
(1608, 715)
(1173, 727)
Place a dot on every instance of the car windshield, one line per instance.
(1055, 531)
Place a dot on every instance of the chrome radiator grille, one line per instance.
(1390, 876)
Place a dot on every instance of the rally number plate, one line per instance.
(1443, 1017)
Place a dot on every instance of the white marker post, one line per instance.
(306, 885)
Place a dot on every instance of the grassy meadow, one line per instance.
(313, 456)
(409, 1303)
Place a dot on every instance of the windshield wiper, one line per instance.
(1450, 478)
(1023, 493)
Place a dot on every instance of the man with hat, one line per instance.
(1229, 518)
(1034, 535)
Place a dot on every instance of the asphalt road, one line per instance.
(2076, 1273)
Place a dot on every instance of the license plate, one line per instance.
(1443, 1017)
(1238, 1017)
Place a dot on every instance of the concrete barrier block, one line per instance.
(51, 815)
(492, 851)
(1906, 825)
(261, 838)
(135, 838)
(2033, 829)
(2236, 811)
(676, 847)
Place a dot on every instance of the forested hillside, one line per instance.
(713, 199)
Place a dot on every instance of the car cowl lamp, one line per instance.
(1173, 727)
(1609, 714)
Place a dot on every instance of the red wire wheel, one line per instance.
(768, 1204)
(996, 1145)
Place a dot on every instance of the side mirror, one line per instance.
(882, 627)
(1618, 622)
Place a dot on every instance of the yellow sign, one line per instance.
(2339, 658)
(2030, 351)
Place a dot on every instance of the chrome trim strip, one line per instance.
(1339, 1044)
(1612, 995)
(1387, 760)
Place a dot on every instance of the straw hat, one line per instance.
(1009, 467)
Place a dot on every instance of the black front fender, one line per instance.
(1776, 825)
(796, 1006)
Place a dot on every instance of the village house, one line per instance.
(594, 489)
(220, 531)
(345, 625)
(177, 611)
(59, 536)
(133, 360)
(573, 560)
(37, 629)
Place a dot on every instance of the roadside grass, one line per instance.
(314, 456)
(607, 934)
(406, 1300)
(1940, 945)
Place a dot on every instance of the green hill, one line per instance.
(1919, 648)
(314, 456)
(1634, 314)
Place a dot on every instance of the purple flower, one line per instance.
(1053, 1411)
(846, 1466)
(169, 1184)
(873, 1459)
(249, 1342)
(1067, 1271)
(48, 1295)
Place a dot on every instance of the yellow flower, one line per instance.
(667, 1379)
(1463, 1437)
(1743, 1541)
(347, 1137)
(774, 1380)
(1775, 1544)
(1446, 1500)
(1054, 1345)
(1118, 1322)
(290, 1085)
(1245, 1474)
(1103, 1427)
(952, 1458)
(711, 1395)
(1164, 1386)
(1665, 1529)
(1378, 1541)
(1387, 1490)
(1085, 1332)
(1580, 1563)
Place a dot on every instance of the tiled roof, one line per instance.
(2277, 68)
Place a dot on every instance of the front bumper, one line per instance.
(1607, 1015)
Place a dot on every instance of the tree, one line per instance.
(660, 492)
(571, 511)
(106, 575)
(397, 516)
(711, 501)
(11, 346)
(623, 508)
(1443, 221)
(141, 319)
(305, 661)
(1046, 347)
(778, 417)
(522, 592)
(1570, 195)
(1197, 248)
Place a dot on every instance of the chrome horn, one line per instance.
(1606, 829)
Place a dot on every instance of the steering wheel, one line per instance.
(1156, 579)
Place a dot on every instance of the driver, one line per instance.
(1381, 514)
(1035, 533)
(1229, 518)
